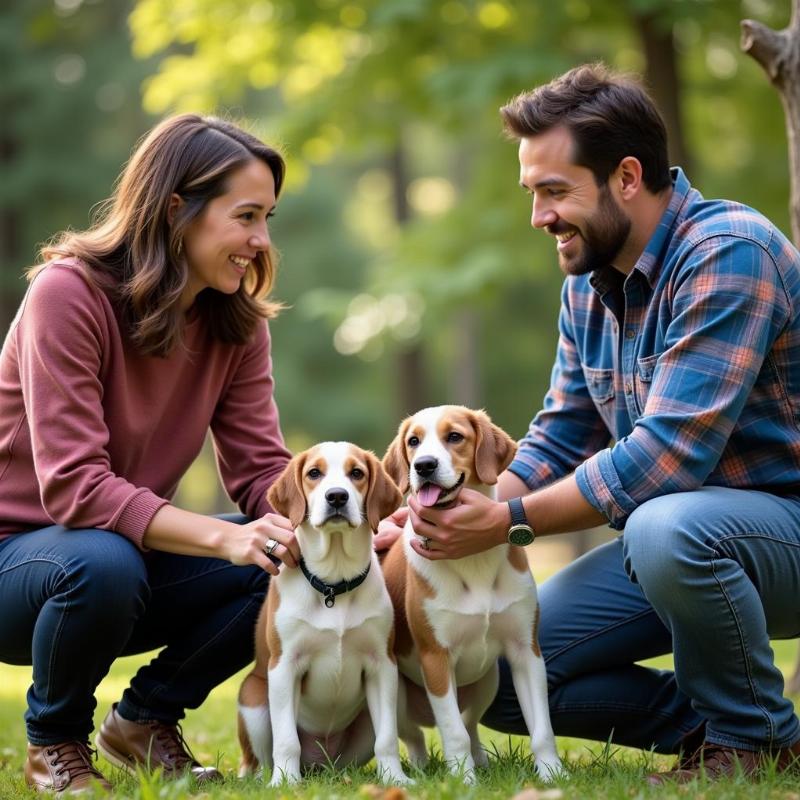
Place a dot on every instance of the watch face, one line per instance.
(520, 535)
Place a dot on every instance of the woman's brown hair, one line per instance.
(133, 251)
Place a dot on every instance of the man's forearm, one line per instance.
(557, 508)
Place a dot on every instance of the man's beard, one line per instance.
(603, 236)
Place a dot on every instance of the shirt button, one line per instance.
(630, 333)
(628, 388)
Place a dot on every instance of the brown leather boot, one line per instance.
(65, 768)
(151, 745)
(716, 761)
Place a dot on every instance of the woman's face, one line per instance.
(220, 244)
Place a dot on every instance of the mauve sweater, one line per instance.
(95, 435)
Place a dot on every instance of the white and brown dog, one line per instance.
(454, 618)
(324, 686)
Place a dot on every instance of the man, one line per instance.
(672, 415)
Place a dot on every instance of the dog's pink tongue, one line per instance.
(429, 494)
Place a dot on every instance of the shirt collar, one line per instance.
(649, 263)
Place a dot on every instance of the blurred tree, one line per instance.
(69, 101)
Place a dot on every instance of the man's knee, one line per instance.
(663, 542)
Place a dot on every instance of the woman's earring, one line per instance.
(179, 248)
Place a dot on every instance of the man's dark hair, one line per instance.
(610, 117)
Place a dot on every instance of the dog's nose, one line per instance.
(337, 497)
(425, 466)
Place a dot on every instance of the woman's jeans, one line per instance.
(710, 576)
(74, 600)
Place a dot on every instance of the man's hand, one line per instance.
(475, 524)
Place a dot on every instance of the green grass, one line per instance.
(594, 770)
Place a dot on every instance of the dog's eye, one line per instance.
(314, 473)
(413, 441)
(454, 437)
(356, 473)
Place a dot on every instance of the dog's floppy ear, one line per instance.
(494, 448)
(394, 461)
(286, 494)
(383, 496)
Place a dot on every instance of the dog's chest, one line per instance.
(332, 666)
(330, 648)
(477, 620)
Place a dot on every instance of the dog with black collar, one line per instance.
(324, 685)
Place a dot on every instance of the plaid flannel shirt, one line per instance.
(684, 373)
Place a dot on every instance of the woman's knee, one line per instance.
(107, 571)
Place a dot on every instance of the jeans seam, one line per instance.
(160, 689)
(599, 632)
(756, 535)
(744, 649)
(198, 576)
(603, 706)
(56, 638)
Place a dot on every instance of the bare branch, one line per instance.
(764, 45)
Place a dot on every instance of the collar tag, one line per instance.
(330, 597)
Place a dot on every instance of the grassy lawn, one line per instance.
(595, 771)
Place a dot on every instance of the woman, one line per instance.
(134, 338)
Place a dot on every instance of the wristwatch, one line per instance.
(520, 532)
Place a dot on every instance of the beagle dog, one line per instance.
(324, 686)
(454, 618)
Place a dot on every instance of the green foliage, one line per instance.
(69, 100)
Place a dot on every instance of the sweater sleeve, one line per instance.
(61, 335)
(250, 450)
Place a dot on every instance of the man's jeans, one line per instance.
(710, 576)
(71, 601)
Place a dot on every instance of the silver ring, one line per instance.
(426, 543)
(270, 545)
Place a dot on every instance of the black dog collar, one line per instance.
(330, 590)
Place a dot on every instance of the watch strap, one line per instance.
(517, 512)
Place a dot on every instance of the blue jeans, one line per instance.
(74, 600)
(709, 576)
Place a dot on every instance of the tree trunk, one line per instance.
(465, 379)
(661, 74)
(10, 250)
(778, 52)
(412, 388)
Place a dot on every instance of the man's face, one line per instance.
(589, 227)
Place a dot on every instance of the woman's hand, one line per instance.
(474, 524)
(390, 529)
(267, 542)
(174, 530)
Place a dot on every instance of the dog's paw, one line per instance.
(480, 757)
(548, 769)
(280, 778)
(391, 772)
